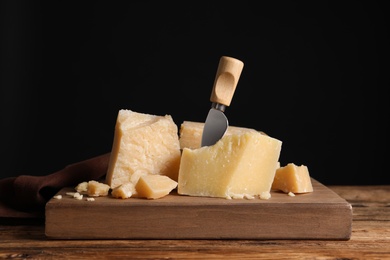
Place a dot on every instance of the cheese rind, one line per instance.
(143, 144)
(237, 166)
(292, 178)
(154, 186)
(190, 133)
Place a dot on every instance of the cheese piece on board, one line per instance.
(96, 189)
(143, 144)
(124, 191)
(237, 166)
(154, 186)
(190, 133)
(82, 187)
(292, 178)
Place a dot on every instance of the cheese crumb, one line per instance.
(58, 197)
(265, 195)
(90, 199)
(78, 196)
(240, 196)
(236, 196)
(249, 197)
(291, 194)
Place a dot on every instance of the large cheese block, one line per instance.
(190, 133)
(143, 144)
(292, 178)
(237, 166)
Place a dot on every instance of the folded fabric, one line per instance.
(26, 196)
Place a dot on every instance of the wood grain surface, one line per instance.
(321, 214)
(370, 239)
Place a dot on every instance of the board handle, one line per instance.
(226, 79)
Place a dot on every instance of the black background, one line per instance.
(315, 77)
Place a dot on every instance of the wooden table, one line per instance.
(370, 239)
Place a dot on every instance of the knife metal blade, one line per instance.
(225, 83)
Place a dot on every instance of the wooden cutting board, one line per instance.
(321, 214)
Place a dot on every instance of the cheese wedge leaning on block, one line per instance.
(237, 166)
(190, 133)
(292, 178)
(143, 144)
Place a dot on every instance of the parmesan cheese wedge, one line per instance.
(292, 178)
(143, 144)
(237, 166)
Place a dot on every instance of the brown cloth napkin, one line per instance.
(26, 196)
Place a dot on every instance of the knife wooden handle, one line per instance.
(226, 79)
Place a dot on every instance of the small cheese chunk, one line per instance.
(77, 196)
(154, 186)
(292, 178)
(124, 191)
(97, 189)
(82, 187)
(58, 197)
(191, 133)
(143, 144)
(291, 194)
(237, 166)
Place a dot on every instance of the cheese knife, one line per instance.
(225, 83)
